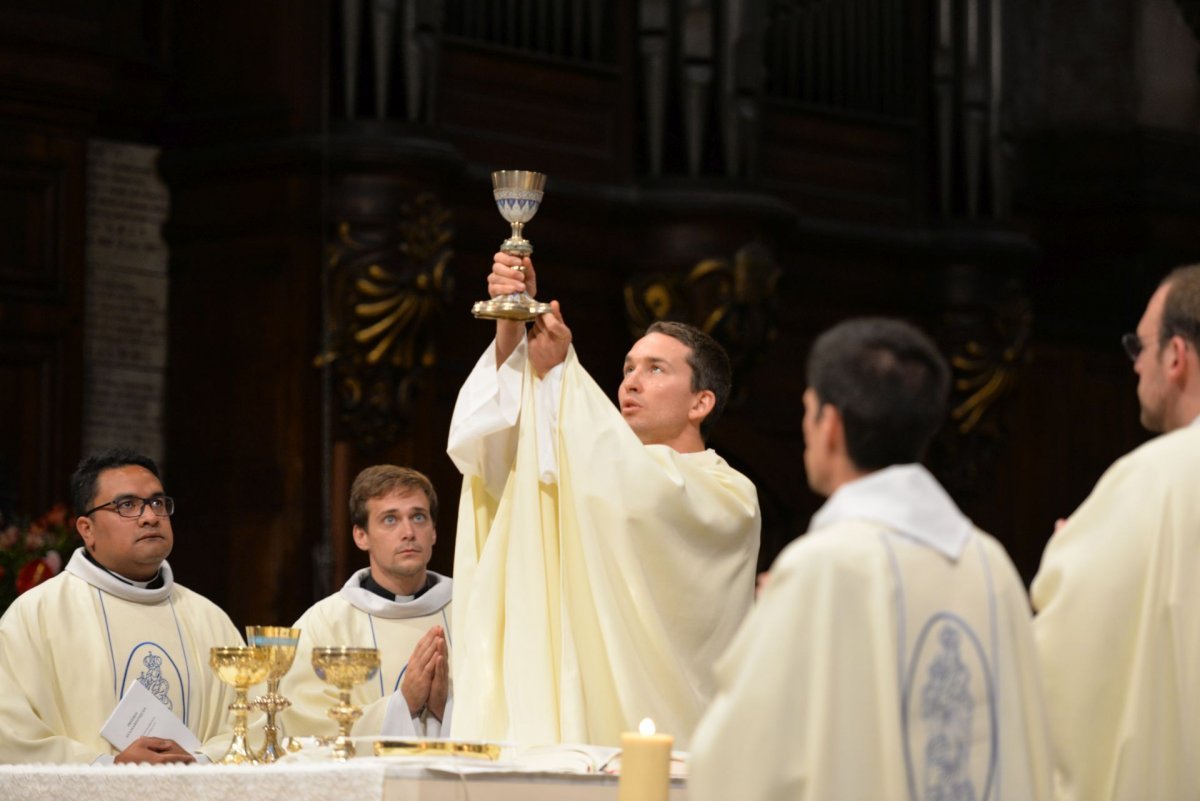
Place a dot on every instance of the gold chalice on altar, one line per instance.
(280, 644)
(239, 666)
(344, 668)
(518, 195)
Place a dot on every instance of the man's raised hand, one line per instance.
(548, 340)
(511, 274)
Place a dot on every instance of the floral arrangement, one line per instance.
(34, 551)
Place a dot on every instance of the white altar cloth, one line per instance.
(361, 779)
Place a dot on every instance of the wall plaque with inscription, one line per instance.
(125, 336)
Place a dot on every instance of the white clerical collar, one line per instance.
(101, 579)
(430, 601)
(905, 498)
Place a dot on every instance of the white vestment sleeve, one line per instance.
(548, 394)
(397, 722)
(483, 436)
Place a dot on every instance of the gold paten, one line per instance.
(437, 748)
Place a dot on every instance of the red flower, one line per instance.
(33, 574)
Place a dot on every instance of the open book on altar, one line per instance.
(583, 759)
(484, 757)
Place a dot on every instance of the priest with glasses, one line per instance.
(71, 647)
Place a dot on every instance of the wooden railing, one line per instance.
(707, 72)
(575, 30)
(856, 55)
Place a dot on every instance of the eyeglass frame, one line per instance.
(168, 506)
(1133, 345)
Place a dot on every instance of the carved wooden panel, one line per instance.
(841, 167)
(41, 282)
(565, 122)
(31, 215)
(32, 381)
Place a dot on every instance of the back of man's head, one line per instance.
(709, 363)
(888, 382)
(87, 474)
(382, 480)
(1181, 311)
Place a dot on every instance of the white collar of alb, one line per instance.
(906, 498)
(101, 579)
(430, 601)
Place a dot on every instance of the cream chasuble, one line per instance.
(1118, 629)
(889, 657)
(360, 618)
(596, 579)
(71, 646)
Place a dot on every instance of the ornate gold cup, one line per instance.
(280, 645)
(344, 668)
(239, 666)
(518, 195)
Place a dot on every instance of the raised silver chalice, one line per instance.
(518, 195)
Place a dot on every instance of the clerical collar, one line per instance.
(153, 584)
(371, 585)
(903, 497)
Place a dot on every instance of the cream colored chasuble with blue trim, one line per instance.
(70, 647)
(890, 657)
(359, 618)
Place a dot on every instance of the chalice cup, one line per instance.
(239, 666)
(345, 668)
(280, 644)
(518, 195)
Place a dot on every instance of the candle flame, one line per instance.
(646, 727)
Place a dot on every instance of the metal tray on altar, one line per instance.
(438, 748)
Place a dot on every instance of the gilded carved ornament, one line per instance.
(386, 289)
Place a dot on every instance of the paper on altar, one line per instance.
(140, 714)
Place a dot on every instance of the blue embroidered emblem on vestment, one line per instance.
(946, 708)
(152, 679)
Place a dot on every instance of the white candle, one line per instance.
(645, 764)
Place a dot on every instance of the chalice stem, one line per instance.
(272, 703)
(239, 748)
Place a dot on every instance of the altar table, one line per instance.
(361, 779)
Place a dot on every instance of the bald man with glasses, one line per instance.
(72, 646)
(1118, 617)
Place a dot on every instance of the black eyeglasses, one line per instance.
(1133, 346)
(133, 506)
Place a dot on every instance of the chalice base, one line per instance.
(343, 748)
(239, 752)
(518, 306)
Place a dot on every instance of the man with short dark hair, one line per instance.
(395, 604)
(71, 646)
(890, 655)
(605, 556)
(1118, 618)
